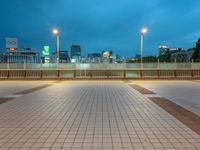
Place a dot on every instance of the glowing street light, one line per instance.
(143, 31)
(57, 33)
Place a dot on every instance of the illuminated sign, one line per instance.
(11, 43)
(46, 51)
(12, 49)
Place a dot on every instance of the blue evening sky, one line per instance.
(99, 25)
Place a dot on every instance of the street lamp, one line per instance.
(57, 33)
(143, 31)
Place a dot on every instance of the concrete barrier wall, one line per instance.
(103, 74)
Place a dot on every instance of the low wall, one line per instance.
(101, 74)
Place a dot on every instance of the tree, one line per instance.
(150, 59)
(165, 58)
(196, 55)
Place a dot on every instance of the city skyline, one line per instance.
(101, 25)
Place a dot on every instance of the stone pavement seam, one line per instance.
(32, 89)
(4, 100)
(188, 118)
(141, 89)
(22, 93)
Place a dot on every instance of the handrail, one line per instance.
(101, 66)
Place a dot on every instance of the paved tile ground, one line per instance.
(100, 115)
(184, 93)
(10, 87)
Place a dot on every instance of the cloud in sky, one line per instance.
(98, 25)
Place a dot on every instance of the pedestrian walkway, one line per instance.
(90, 115)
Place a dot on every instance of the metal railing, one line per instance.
(10, 66)
(105, 71)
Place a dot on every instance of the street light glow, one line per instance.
(56, 31)
(144, 30)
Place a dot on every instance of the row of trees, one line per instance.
(195, 57)
(167, 57)
(196, 54)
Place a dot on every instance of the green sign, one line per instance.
(46, 51)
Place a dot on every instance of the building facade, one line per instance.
(75, 53)
(63, 57)
(94, 58)
(184, 56)
(2, 58)
(163, 50)
(23, 56)
(107, 56)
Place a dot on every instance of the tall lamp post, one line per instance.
(143, 31)
(57, 33)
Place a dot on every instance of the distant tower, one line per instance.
(75, 52)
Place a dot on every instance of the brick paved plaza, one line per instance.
(108, 115)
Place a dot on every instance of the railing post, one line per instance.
(8, 65)
(175, 74)
(91, 72)
(141, 65)
(58, 74)
(175, 63)
(124, 74)
(192, 63)
(141, 73)
(74, 74)
(24, 73)
(41, 66)
(41, 74)
(57, 66)
(158, 73)
(24, 65)
(158, 66)
(192, 73)
(8, 75)
(107, 73)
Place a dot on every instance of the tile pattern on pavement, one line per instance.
(185, 116)
(127, 81)
(91, 116)
(32, 89)
(22, 93)
(141, 89)
(4, 100)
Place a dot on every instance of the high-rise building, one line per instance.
(75, 53)
(107, 56)
(94, 58)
